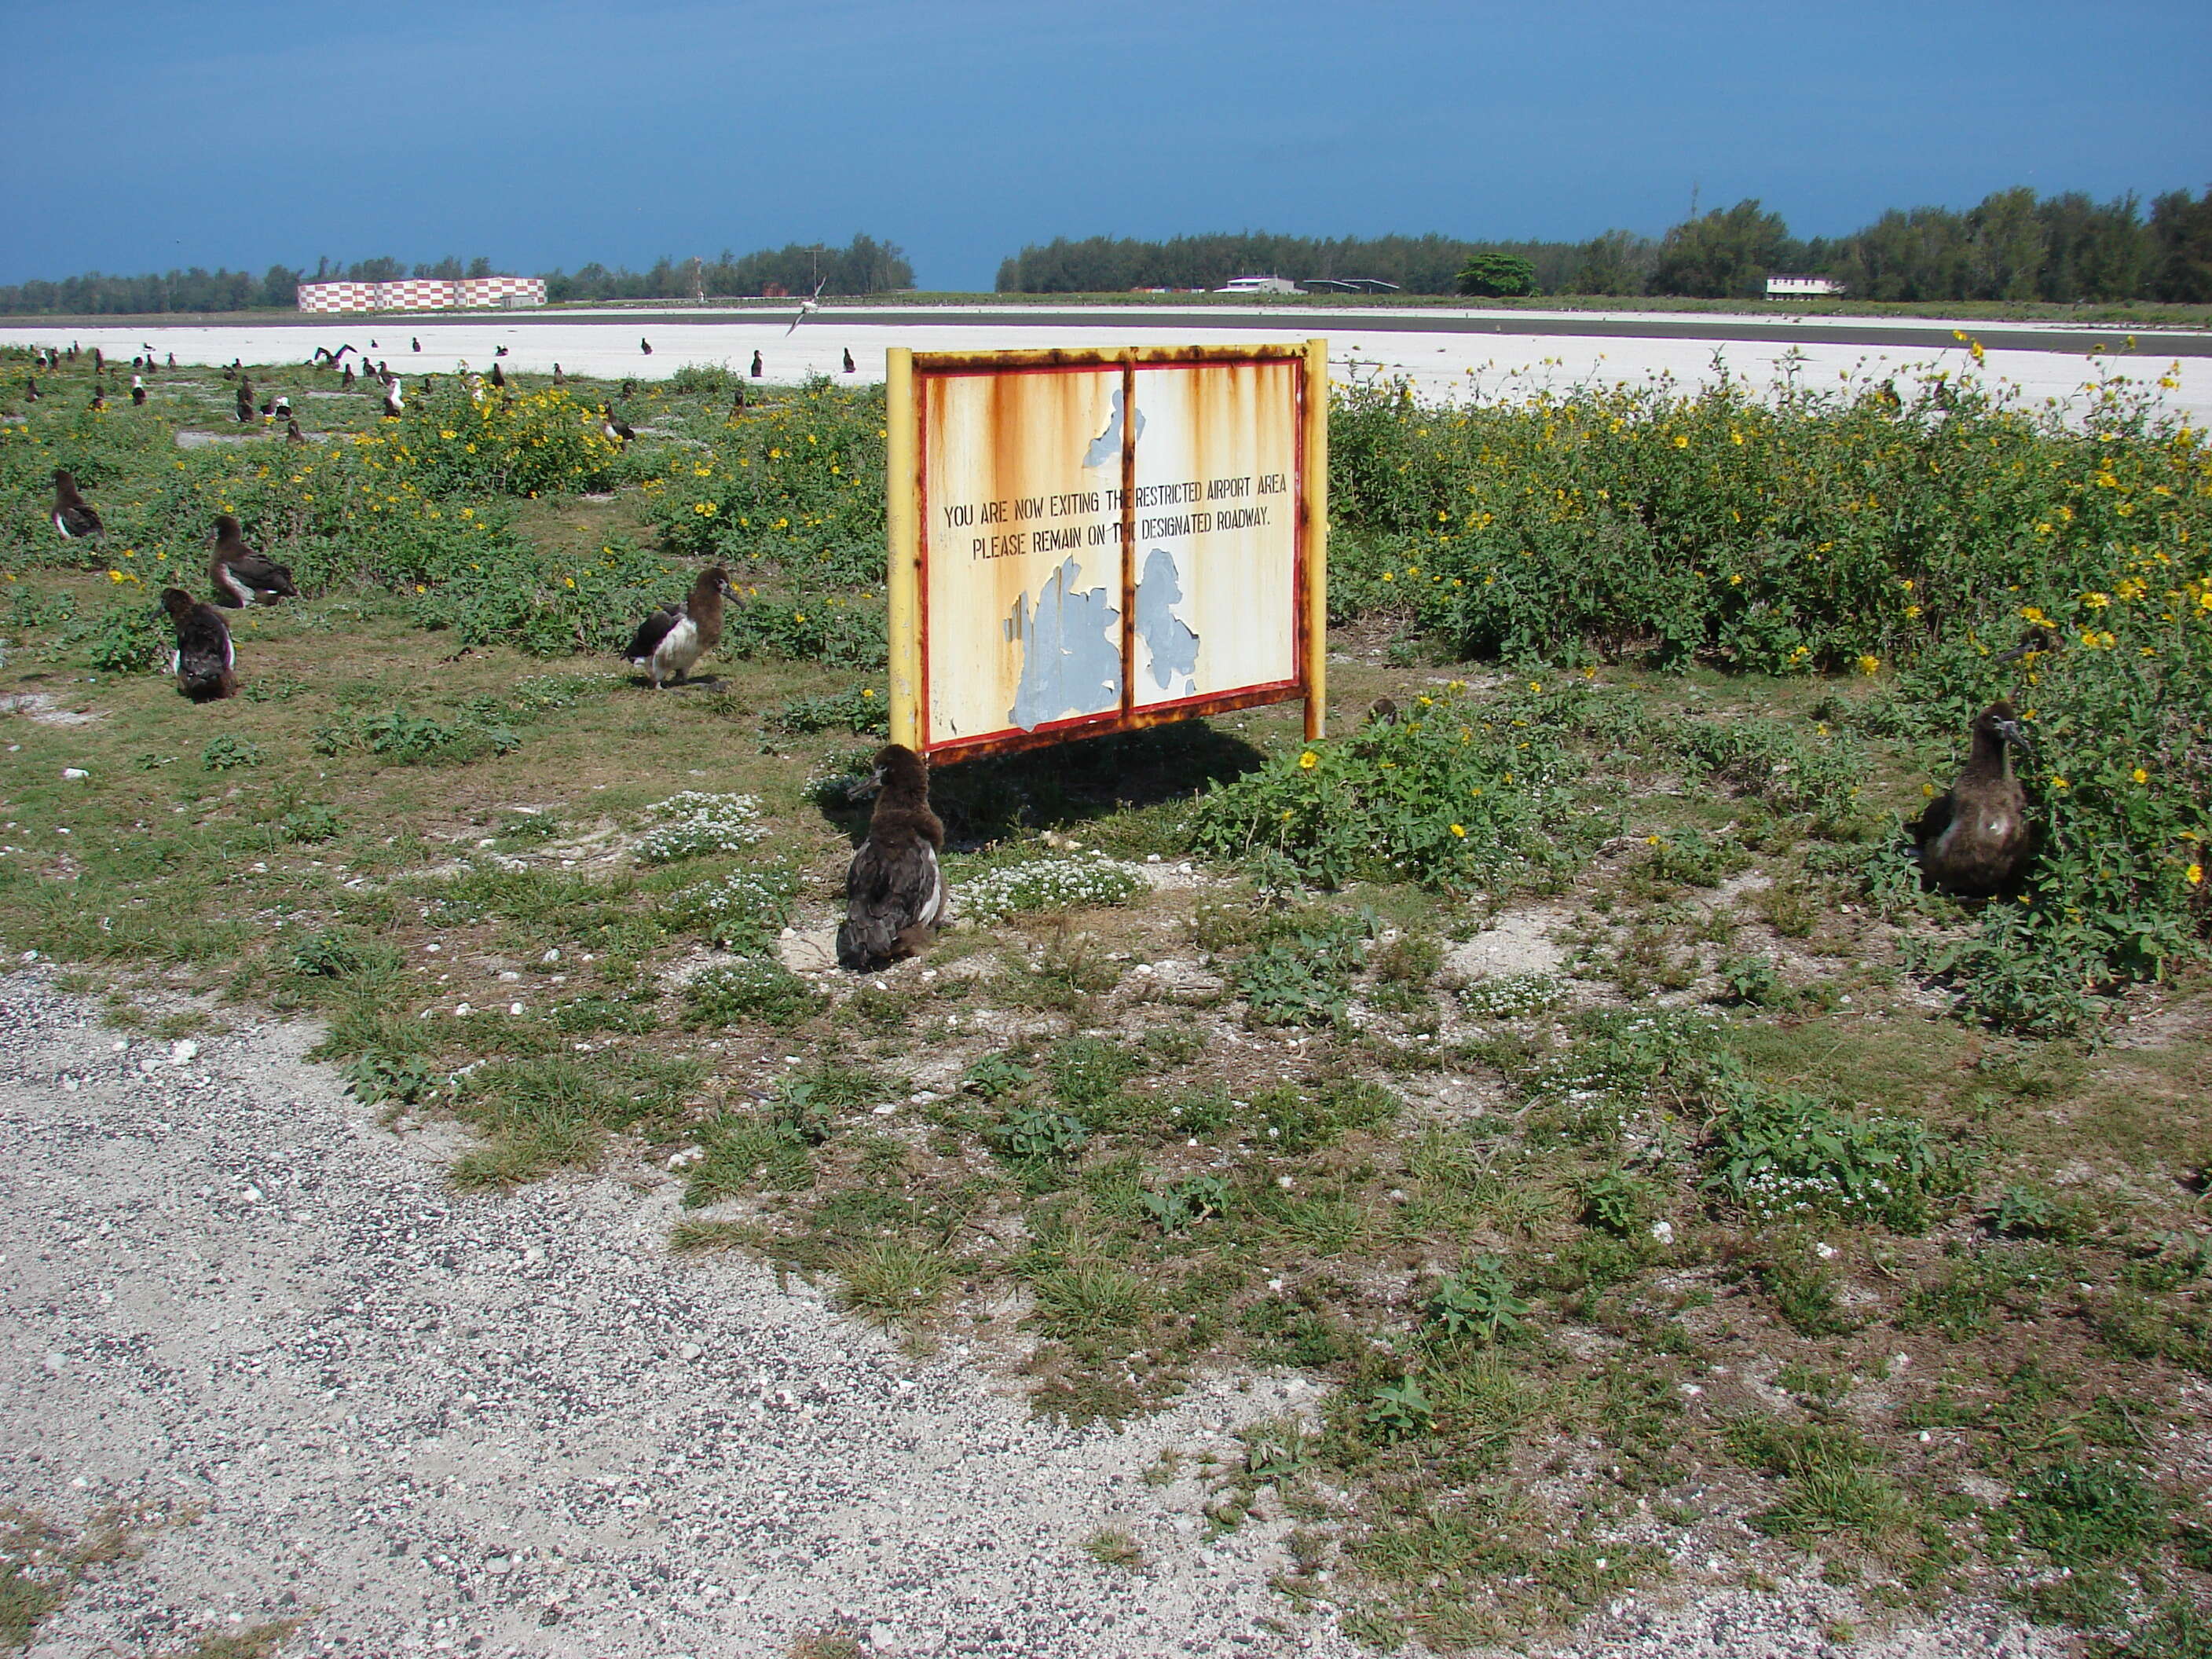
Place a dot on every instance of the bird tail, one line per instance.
(206, 682)
(865, 947)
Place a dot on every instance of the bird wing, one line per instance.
(1935, 818)
(894, 884)
(260, 572)
(204, 646)
(650, 633)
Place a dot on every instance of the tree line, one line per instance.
(864, 265)
(2014, 245)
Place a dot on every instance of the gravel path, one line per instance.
(427, 1422)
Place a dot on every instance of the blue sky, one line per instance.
(147, 136)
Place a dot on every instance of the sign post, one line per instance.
(1093, 541)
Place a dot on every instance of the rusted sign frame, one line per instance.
(908, 526)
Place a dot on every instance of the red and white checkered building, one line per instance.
(424, 294)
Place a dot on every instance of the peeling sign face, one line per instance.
(1216, 512)
(1105, 539)
(1022, 549)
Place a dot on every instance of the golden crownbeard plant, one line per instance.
(1806, 533)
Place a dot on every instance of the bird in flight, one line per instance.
(808, 306)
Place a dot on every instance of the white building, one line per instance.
(1259, 285)
(1803, 288)
(424, 294)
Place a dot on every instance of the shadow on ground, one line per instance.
(989, 799)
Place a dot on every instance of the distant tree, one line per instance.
(1618, 262)
(2181, 238)
(2005, 246)
(1727, 254)
(1496, 277)
(280, 287)
(1105, 264)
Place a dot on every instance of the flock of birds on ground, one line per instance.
(1973, 841)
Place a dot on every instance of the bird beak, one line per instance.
(2015, 734)
(867, 786)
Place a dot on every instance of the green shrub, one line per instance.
(801, 485)
(863, 709)
(1460, 795)
(1804, 531)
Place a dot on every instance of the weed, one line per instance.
(863, 710)
(693, 824)
(2078, 1512)
(1048, 885)
(996, 1075)
(403, 1080)
(1831, 1482)
(751, 987)
(1114, 1548)
(1300, 973)
(892, 1282)
(1753, 979)
(1089, 1298)
(1398, 1411)
(1302, 1118)
(1042, 1136)
(1512, 996)
(1477, 1304)
(228, 752)
(1179, 1207)
(1779, 1153)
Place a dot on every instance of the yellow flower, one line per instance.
(1308, 760)
(867, 690)
(1681, 443)
(1910, 612)
(2195, 875)
(1735, 581)
(1867, 663)
(2059, 783)
(2139, 775)
(1459, 829)
(571, 581)
(1651, 841)
(1928, 791)
(1535, 685)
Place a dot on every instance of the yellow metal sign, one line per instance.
(1088, 542)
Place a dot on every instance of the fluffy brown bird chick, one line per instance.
(1974, 839)
(205, 662)
(894, 892)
